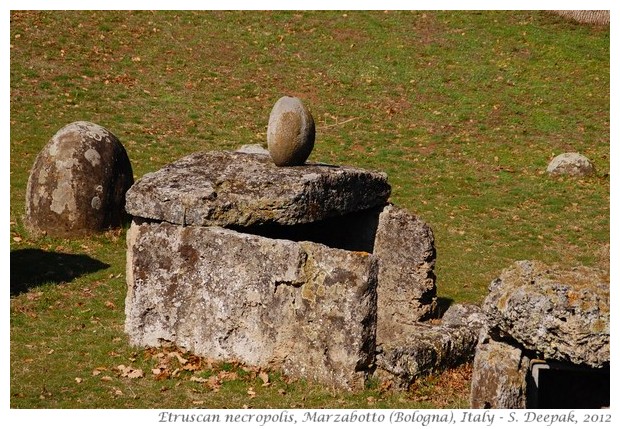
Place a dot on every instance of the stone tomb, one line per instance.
(303, 269)
(546, 343)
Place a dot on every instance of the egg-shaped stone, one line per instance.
(290, 132)
(78, 183)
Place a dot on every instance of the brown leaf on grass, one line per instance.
(385, 385)
(213, 382)
(129, 372)
(265, 377)
(180, 358)
(191, 367)
(227, 376)
(78, 380)
(33, 296)
(251, 392)
(194, 363)
(106, 378)
(110, 305)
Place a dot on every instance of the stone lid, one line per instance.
(241, 189)
(560, 314)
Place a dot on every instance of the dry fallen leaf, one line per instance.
(136, 373)
(106, 378)
(212, 382)
(180, 358)
(191, 367)
(265, 377)
(78, 380)
(129, 372)
(226, 375)
(251, 392)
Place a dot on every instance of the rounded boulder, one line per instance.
(570, 164)
(290, 132)
(78, 183)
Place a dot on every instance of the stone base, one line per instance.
(303, 308)
(499, 376)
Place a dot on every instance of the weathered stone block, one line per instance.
(241, 189)
(78, 183)
(301, 307)
(559, 314)
(499, 376)
(425, 349)
(405, 247)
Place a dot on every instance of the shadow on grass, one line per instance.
(33, 267)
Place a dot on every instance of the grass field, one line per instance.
(462, 110)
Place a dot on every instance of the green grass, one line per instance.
(463, 110)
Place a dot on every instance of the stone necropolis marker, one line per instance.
(290, 132)
(78, 182)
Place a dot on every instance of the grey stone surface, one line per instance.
(570, 164)
(560, 314)
(78, 182)
(301, 307)
(290, 132)
(425, 349)
(228, 188)
(499, 376)
(405, 247)
(469, 315)
(253, 148)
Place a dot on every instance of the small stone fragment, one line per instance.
(469, 315)
(290, 132)
(422, 350)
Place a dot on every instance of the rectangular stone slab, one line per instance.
(241, 189)
(301, 307)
